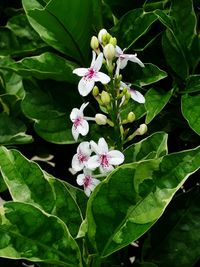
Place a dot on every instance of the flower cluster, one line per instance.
(93, 159)
(86, 161)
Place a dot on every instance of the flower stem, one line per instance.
(115, 115)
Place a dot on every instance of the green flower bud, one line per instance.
(94, 43)
(100, 119)
(142, 129)
(113, 41)
(109, 51)
(95, 91)
(105, 98)
(131, 117)
(102, 33)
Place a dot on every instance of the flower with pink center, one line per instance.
(81, 157)
(80, 124)
(135, 95)
(89, 183)
(91, 75)
(124, 58)
(104, 159)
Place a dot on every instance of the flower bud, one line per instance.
(113, 41)
(109, 52)
(100, 119)
(94, 43)
(105, 98)
(131, 117)
(106, 38)
(102, 33)
(95, 91)
(142, 129)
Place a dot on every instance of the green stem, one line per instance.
(94, 261)
(115, 115)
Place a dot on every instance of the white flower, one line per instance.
(135, 95)
(91, 75)
(87, 181)
(124, 58)
(104, 159)
(80, 124)
(81, 157)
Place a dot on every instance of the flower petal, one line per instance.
(103, 146)
(107, 169)
(76, 164)
(74, 113)
(93, 162)
(118, 51)
(80, 179)
(102, 77)
(75, 133)
(83, 128)
(85, 86)
(84, 148)
(93, 59)
(95, 182)
(98, 63)
(83, 106)
(137, 96)
(94, 147)
(115, 157)
(122, 62)
(87, 191)
(133, 58)
(80, 71)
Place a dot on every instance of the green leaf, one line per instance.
(132, 26)
(12, 83)
(44, 66)
(26, 182)
(18, 38)
(148, 75)
(183, 13)
(178, 228)
(28, 233)
(65, 25)
(155, 102)
(12, 131)
(174, 54)
(49, 107)
(126, 204)
(194, 53)
(191, 111)
(152, 147)
(7, 41)
(193, 84)
(173, 48)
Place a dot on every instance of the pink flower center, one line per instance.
(104, 160)
(90, 74)
(87, 181)
(82, 157)
(77, 122)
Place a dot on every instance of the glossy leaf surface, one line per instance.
(117, 217)
(56, 25)
(191, 111)
(154, 146)
(28, 183)
(175, 231)
(155, 102)
(27, 232)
